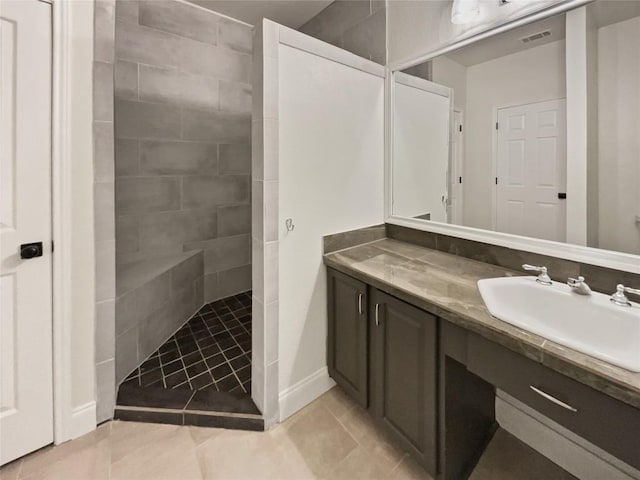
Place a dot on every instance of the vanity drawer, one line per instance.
(612, 425)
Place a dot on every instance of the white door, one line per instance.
(532, 170)
(26, 395)
(457, 169)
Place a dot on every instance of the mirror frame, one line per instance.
(579, 253)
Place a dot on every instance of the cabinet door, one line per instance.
(404, 375)
(347, 343)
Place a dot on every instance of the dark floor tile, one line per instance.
(212, 401)
(188, 347)
(240, 362)
(244, 374)
(170, 356)
(172, 367)
(233, 352)
(215, 361)
(151, 377)
(132, 381)
(209, 316)
(192, 358)
(134, 374)
(203, 380)
(210, 350)
(205, 309)
(226, 343)
(151, 364)
(247, 387)
(196, 369)
(206, 341)
(153, 397)
(221, 371)
(175, 379)
(170, 418)
(214, 421)
(228, 383)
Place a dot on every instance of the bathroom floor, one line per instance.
(330, 438)
(201, 375)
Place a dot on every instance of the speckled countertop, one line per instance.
(446, 286)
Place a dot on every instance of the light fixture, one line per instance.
(464, 11)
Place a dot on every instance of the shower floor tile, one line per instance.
(200, 376)
(212, 351)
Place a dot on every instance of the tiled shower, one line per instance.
(182, 148)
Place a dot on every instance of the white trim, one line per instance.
(295, 39)
(304, 392)
(61, 210)
(563, 447)
(83, 420)
(422, 84)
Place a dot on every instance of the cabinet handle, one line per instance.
(360, 304)
(377, 317)
(553, 399)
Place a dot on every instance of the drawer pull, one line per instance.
(553, 399)
(360, 304)
(377, 318)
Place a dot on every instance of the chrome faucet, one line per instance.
(620, 297)
(579, 286)
(543, 278)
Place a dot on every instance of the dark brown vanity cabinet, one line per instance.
(347, 347)
(382, 352)
(403, 374)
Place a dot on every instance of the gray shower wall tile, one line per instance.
(135, 305)
(140, 44)
(234, 159)
(126, 154)
(103, 152)
(104, 18)
(234, 280)
(227, 252)
(127, 10)
(126, 80)
(358, 26)
(234, 220)
(105, 270)
(235, 35)
(127, 236)
(105, 330)
(235, 97)
(368, 38)
(127, 353)
(169, 85)
(205, 192)
(178, 158)
(187, 271)
(147, 194)
(104, 205)
(103, 91)
(203, 59)
(214, 126)
(105, 389)
(168, 230)
(146, 120)
(180, 19)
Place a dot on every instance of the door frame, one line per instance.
(461, 146)
(69, 420)
(494, 153)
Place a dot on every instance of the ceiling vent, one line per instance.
(536, 36)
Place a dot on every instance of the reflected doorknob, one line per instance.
(31, 250)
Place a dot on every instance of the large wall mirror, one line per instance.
(481, 133)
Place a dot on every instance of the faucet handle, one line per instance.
(620, 297)
(543, 278)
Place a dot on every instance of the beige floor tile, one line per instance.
(362, 427)
(237, 455)
(409, 469)
(202, 434)
(48, 456)
(365, 463)
(91, 462)
(337, 402)
(321, 439)
(170, 457)
(127, 437)
(11, 471)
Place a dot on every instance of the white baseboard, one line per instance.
(83, 420)
(304, 392)
(563, 447)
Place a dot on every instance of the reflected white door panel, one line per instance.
(531, 170)
(26, 394)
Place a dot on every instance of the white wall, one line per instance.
(454, 75)
(619, 139)
(419, 27)
(331, 168)
(533, 75)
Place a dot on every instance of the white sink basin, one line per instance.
(590, 324)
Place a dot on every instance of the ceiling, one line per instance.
(292, 13)
(510, 42)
